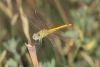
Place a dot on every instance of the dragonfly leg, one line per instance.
(38, 44)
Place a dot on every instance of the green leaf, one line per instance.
(12, 63)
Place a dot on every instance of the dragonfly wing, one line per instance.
(35, 22)
(52, 40)
(61, 36)
(55, 41)
(46, 22)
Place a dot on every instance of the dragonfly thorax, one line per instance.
(41, 34)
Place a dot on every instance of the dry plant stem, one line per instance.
(61, 11)
(32, 51)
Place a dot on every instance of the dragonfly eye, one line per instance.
(35, 36)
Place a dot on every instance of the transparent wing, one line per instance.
(41, 19)
(61, 36)
(36, 23)
(56, 42)
(38, 20)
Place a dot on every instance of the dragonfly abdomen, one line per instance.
(57, 28)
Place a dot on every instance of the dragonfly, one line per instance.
(48, 29)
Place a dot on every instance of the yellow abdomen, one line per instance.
(57, 28)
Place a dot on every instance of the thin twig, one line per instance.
(61, 11)
(32, 51)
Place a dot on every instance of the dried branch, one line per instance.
(32, 51)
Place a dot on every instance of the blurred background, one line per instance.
(82, 45)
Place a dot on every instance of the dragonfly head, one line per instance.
(36, 36)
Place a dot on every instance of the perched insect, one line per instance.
(48, 29)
